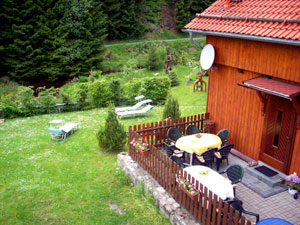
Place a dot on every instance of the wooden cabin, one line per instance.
(254, 83)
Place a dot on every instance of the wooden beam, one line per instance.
(263, 99)
(296, 104)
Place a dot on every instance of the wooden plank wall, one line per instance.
(282, 61)
(236, 108)
(240, 107)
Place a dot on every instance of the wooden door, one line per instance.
(278, 133)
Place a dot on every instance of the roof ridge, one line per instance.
(265, 19)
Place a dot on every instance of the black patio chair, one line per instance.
(235, 174)
(224, 135)
(238, 205)
(179, 161)
(206, 158)
(173, 134)
(192, 129)
(172, 150)
(224, 153)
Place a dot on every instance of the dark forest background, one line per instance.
(57, 40)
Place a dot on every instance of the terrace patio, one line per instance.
(158, 168)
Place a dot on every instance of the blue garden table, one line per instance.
(274, 221)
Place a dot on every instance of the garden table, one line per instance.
(212, 180)
(191, 143)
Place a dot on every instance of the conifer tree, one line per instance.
(51, 40)
(112, 136)
(171, 109)
(187, 9)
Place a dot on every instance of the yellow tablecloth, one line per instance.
(191, 143)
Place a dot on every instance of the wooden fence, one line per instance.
(207, 209)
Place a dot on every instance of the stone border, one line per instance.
(167, 205)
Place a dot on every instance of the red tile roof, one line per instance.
(282, 18)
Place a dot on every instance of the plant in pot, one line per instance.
(293, 182)
(140, 145)
(188, 187)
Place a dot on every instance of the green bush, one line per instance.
(156, 58)
(131, 90)
(46, 99)
(81, 92)
(9, 106)
(83, 79)
(112, 136)
(99, 93)
(171, 108)
(116, 91)
(27, 102)
(156, 88)
(174, 79)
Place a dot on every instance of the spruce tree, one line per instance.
(171, 108)
(51, 40)
(187, 9)
(112, 136)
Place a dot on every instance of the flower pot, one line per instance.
(292, 191)
(144, 153)
(193, 197)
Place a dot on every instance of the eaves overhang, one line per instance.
(244, 36)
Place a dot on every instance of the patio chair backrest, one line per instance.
(192, 129)
(225, 150)
(235, 173)
(169, 149)
(173, 134)
(209, 155)
(224, 135)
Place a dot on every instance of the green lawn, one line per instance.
(73, 182)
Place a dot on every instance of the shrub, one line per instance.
(116, 91)
(99, 93)
(155, 59)
(156, 88)
(171, 108)
(129, 69)
(112, 136)
(81, 92)
(46, 99)
(131, 90)
(9, 106)
(174, 79)
(83, 79)
(64, 97)
(27, 102)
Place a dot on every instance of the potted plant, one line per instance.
(188, 188)
(293, 182)
(140, 145)
(208, 125)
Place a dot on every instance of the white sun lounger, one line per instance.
(135, 107)
(143, 111)
(61, 133)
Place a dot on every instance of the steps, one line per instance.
(261, 184)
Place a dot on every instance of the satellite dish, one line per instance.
(207, 56)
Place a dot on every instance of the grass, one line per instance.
(73, 182)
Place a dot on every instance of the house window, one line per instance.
(277, 128)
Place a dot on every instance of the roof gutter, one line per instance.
(243, 36)
(249, 18)
(192, 40)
